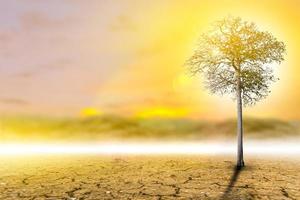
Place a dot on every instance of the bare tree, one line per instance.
(235, 59)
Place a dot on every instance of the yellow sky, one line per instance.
(165, 36)
(127, 56)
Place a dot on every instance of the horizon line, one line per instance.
(291, 148)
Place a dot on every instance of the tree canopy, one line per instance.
(235, 48)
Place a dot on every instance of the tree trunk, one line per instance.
(240, 159)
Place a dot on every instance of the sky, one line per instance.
(66, 57)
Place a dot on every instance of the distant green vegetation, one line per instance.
(118, 128)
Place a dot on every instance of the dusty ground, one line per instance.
(146, 177)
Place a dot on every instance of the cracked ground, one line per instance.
(147, 177)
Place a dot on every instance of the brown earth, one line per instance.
(147, 177)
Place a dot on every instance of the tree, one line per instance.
(235, 58)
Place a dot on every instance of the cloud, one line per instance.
(36, 20)
(14, 101)
(25, 74)
(57, 65)
(60, 63)
(5, 36)
(123, 23)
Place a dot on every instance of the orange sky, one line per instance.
(127, 56)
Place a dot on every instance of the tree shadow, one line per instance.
(231, 184)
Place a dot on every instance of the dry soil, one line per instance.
(147, 177)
